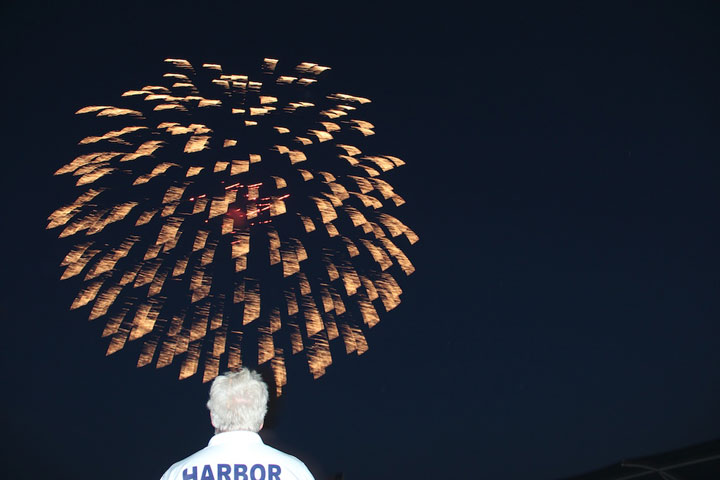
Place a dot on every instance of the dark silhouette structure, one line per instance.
(699, 462)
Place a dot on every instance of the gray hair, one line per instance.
(238, 401)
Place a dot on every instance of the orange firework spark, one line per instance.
(224, 219)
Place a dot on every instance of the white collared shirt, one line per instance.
(238, 456)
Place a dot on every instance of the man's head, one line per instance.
(238, 401)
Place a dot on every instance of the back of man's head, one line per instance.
(238, 401)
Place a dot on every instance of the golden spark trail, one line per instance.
(222, 219)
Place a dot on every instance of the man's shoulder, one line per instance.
(267, 449)
(176, 469)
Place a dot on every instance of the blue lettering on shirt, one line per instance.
(273, 472)
(257, 468)
(223, 472)
(240, 472)
(192, 476)
(207, 473)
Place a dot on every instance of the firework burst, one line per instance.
(228, 220)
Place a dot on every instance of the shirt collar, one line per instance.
(236, 437)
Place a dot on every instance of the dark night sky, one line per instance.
(563, 178)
